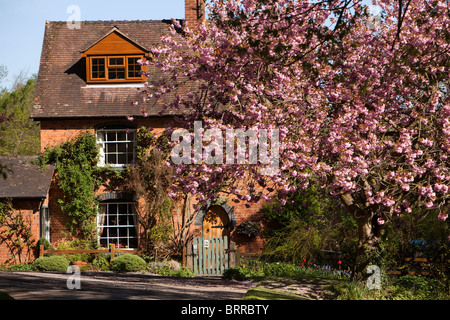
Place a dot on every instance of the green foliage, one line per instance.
(430, 231)
(242, 273)
(409, 287)
(19, 134)
(45, 243)
(79, 244)
(258, 270)
(78, 177)
(52, 263)
(166, 271)
(101, 263)
(127, 263)
(20, 267)
(312, 222)
(161, 231)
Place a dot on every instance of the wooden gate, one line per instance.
(210, 255)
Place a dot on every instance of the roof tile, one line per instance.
(62, 91)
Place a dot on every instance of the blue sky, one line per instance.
(23, 21)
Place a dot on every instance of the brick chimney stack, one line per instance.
(194, 12)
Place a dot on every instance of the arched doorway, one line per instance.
(216, 222)
(210, 254)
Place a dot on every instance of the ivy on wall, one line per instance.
(79, 177)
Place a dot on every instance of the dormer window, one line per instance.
(114, 59)
(114, 69)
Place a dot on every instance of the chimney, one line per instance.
(194, 12)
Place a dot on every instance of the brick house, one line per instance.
(87, 79)
(26, 188)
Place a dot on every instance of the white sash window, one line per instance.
(117, 223)
(117, 147)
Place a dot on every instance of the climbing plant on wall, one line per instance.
(15, 233)
(150, 179)
(79, 177)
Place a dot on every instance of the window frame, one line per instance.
(102, 141)
(44, 222)
(111, 233)
(108, 66)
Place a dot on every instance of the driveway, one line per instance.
(24, 285)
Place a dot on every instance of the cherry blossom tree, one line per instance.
(360, 102)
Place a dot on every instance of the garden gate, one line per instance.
(210, 255)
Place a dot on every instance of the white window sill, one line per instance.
(114, 85)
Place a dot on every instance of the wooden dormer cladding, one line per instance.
(113, 59)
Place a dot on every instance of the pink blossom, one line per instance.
(365, 124)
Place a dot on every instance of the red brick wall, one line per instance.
(194, 12)
(243, 211)
(56, 131)
(31, 214)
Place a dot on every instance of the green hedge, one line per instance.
(127, 263)
(52, 263)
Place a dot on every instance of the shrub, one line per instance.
(242, 273)
(52, 263)
(282, 269)
(166, 271)
(101, 263)
(235, 273)
(127, 263)
(20, 267)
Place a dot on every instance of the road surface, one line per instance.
(25, 285)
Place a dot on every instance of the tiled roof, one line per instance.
(62, 91)
(24, 178)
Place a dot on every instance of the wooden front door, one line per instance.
(216, 223)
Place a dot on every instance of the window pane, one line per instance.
(118, 147)
(123, 243)
(123, 208)
(103, 242)
(98, 68)
(122, 147)
(131, 136)
(122, 159)
(113, 232)
(111, 159)
(114, 74)
(123, 232)
(112, 209)
(116, 61)
(130, 158)
(121, 136)
(133, 243)
(132, 231)
(111, 136)
(123, 220)
(133, 68)
(120, 228)
(111, 147)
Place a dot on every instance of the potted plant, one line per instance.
(248, 228)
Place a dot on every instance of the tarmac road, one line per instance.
(25, 285)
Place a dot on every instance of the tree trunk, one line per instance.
(368, 250)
